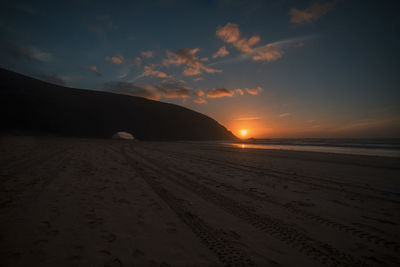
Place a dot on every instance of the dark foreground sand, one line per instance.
(81, 202)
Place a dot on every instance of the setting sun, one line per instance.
(243, 132)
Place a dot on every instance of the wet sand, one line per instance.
(93, 202)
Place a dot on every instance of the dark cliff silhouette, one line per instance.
(31, 106)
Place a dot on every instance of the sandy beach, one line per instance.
(95, 202)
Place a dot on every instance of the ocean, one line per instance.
(370, 147)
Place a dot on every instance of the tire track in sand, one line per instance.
(392, 245)
(226, 251)
(280, 175)
(317, 250)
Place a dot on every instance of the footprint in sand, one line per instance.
(105, 252)
(171, 230)
(114, 263)
(41, 242)
(110, 237)
(122, 201)
(55, 211)
(137, 253)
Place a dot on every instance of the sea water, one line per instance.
(371, 147)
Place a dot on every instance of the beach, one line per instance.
(103, 202)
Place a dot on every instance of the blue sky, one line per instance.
(277, 68)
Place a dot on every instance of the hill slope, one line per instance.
(28, 105)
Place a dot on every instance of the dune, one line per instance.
(30, 106)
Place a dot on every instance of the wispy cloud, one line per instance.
(199, 93)
(254, 91)
(284, 115)
(52, 78)
(230, 33)
(269, 52)
(312, 13)
(147, 54)
(96, 30)
(115, 59)
(219, 92)
(200, 100)
(150, 71)
(225, 92)
(30, 53)
(188, 58)
(248, 119)
(150, 91)
(245, 45)
(171, 89)
(222, 51)
(176, 93)
(175, 89)
(138, 61)
(146, 91)
(95, 70)
(239, 91)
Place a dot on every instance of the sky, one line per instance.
(280, 68)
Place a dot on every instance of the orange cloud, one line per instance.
(254, 91)
(149, 71)
(267, 53)
(245, 45)
(199, 93)
(176, 93)
(221, 52)
(94, 70)
(198, 79)
(210, 70)
(138, 61)
(115, 59)
(311, 13)
(191, 71)
(148, 54)
(184, 56)
(239, 91)
(200, 101)
(219, 92)
(248, 119)
(230, 33)
(188, 58)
